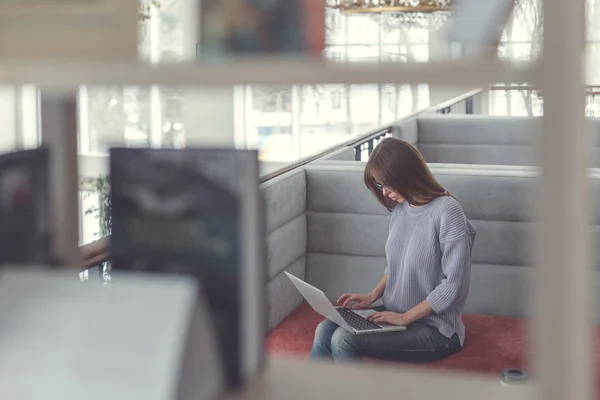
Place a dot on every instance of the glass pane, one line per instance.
(519, 52)
(405, 53)
(593, 18)
(401, 34)
(269, 122)
(29, 115)
(527, 23)
(593, 103)
(362, 107)
(401, 100)
(118, 116)
(521, 40)
(498, 103)
(317, 137)
(336, 53)
(392, 53)
(172, 118)
(332, 114)
(515, 102)
(362, 53)
(170, 31)
(593, 59)
(519, 100)
(146, 46)
(335, 28)
(362, 30)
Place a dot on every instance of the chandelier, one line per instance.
(394, 14)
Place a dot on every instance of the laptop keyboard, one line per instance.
(356, 321)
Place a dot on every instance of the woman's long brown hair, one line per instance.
(398, 165)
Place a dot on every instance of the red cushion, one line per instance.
(491, 344)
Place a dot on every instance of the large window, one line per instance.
(139, 116)
(129, 116)
(290, 122)
(284, 123)
(18, 117)
(521, 41)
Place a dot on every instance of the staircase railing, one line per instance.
(462, 104)
(364, 144)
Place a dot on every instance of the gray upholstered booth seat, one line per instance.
(476, 139)
(325, 227)
(285, 203)
(483, 139)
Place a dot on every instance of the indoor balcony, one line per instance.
(325, 227)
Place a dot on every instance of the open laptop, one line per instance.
(352, 320)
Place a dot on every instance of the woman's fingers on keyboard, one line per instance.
(350, 299)
(355, 301)
(370, 317)
(343, 298)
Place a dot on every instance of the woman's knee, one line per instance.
(324, 332)
(321, 347)
(343, 341)
(325, 329)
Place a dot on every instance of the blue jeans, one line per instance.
(418, 343)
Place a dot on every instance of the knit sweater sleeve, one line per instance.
(456, 243)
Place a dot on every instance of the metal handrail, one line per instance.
(591, 89)
(306, 160)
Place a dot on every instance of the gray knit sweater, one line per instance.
(429, 257)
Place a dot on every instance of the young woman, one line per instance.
(426, 281)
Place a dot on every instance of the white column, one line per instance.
(563, 277)
(441, 50)
(59, 133)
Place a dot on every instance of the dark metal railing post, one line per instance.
(358, 153)
(370, 146)
(469, 105)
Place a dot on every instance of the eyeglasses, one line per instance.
(382, 187)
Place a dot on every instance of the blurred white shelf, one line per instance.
(291, 379)
(265, 71)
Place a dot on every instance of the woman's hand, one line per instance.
(356, 301)
(389, 317)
